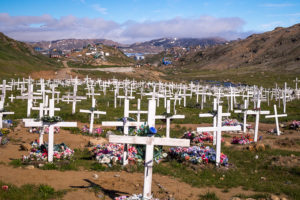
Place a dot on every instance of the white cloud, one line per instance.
(45, 27)
(271, 25)
(99, 9)
(276, 5)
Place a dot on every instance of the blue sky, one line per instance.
(138, 20)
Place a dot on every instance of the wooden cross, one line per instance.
(276, 118)
(214, 116)
(149, 142)
(74, 99)
(296, 82)
(168, 118)
(51, 128)
(219, 130)
(2, 112)
(245, 112)
(138, 112)
(29, 96)
(257, 112)
(125, 124)
(92, 112)
(11, 98)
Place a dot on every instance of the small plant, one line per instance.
(209, 196)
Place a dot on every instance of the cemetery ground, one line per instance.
(275, 171)
(259, 173)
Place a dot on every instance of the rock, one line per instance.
(117, 175)
(41, 165)
(235, 198)
(137, 185)
(292, 155)
(25, 147)
(95, 176)
(29, 167)
(263, 178)
(250, 199)
(221, 178)
(283, 198)
(274, 197)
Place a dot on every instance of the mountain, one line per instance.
(18, 58)
(277, 49)
(69, 44)
(159, 45)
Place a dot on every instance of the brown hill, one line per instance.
(19, 59)
(277, 49)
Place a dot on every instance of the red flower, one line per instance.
(5, 187)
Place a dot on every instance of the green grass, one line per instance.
(17, 60)
(29, 192)
(208, 196)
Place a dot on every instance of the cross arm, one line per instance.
(224, 128)
(149, 140)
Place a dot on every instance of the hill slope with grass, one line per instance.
(261, 59)
(19, 59)
(272, 50)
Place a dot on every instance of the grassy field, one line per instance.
(29, 192)
(247, 171)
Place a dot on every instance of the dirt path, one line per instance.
(64, 73)
(109, 69)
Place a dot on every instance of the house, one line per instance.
(55, 54)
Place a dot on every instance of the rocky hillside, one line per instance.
(277, 49)
(159, 45)
(69, 44)
(18, 58)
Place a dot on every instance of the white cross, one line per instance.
(11, 98)
(74, 99)
(214, 116)
(257, 113)
(29, 96)
(51, 129)
(2, 112)
(168, 118)
(138, 112)
(219, 129)
(92, 112)
(276, 119)
(296, 82)
(149, 142)
(125, 124)
(245, 112)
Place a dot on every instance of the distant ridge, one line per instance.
(159, 45)
(152, 46)
(277, 49)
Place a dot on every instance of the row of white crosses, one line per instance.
(51, 126)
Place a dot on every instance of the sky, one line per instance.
(128, 21)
